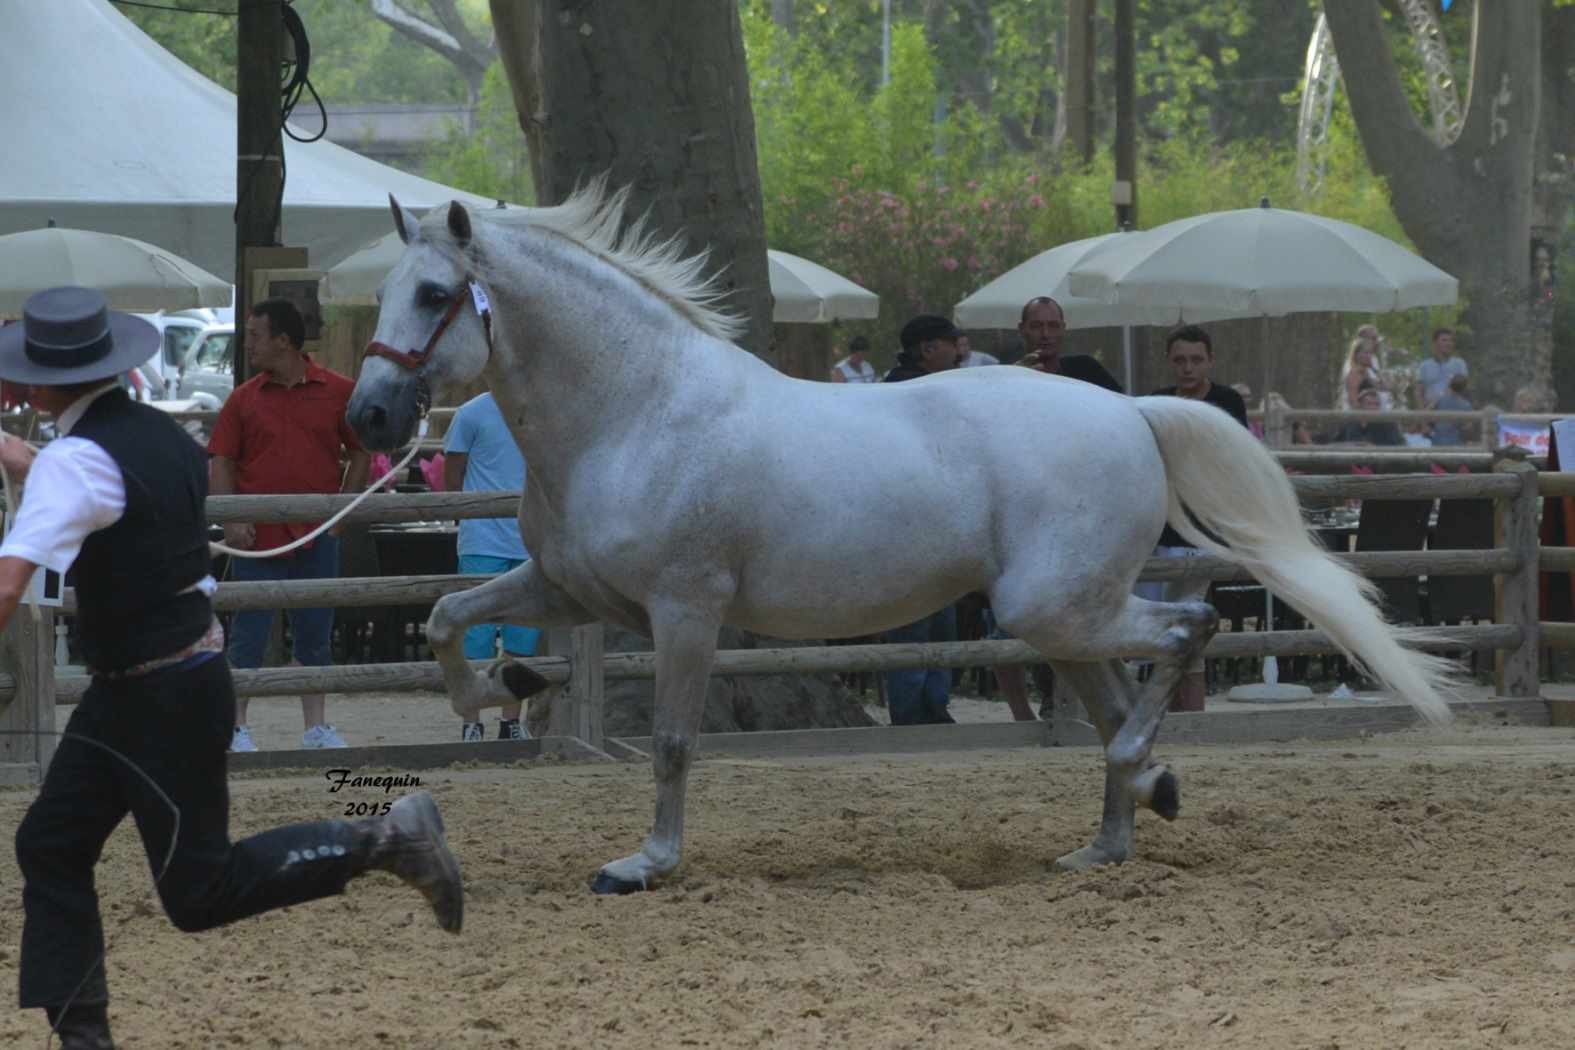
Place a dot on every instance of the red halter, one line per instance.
(414, 359)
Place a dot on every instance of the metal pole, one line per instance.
(259, 146)
(885, 43)
(1126, 354)
(1124, 193)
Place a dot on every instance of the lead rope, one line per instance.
(219, 548)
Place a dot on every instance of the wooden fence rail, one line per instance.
(347, 592)
(892, 656)
(29, 691)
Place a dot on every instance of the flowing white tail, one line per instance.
(1237, 489)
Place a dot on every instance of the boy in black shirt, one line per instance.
(1190, 352)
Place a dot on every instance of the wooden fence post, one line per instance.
(561, 715)
(1515, 593)
(587, 683)
(27, 652)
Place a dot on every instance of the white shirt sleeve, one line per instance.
(74, 489)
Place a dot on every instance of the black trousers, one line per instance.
(175, 726)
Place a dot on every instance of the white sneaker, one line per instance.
(322, 736)
(473, 732)
(242, 740)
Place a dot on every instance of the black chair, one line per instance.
(1463, 524)
(411, 552)
(1396, 525)
(356, 627)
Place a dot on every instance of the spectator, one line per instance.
(929, 345)
(481, 455)
(1454, 400)
(968, 357)
(284, 431)
(1528, 400)
(120, 496)
(1361, 368)
(853, 368)
(1434, 374)
(1043, 327)
(922, 696)
(1190, 352)
(1374, 433)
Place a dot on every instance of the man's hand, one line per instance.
(16, 457)
(1034, 359)
(241, 537)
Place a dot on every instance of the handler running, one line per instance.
(121, 494)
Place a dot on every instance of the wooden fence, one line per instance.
(30, 691)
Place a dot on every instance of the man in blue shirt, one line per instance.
(480, 455)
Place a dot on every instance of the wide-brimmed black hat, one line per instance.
(70, 335)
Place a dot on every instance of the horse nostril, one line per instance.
(376, 418)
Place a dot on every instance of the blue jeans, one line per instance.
(481, 640)
(311, 630)
(921, 696)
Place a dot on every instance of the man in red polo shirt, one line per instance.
(284, 431)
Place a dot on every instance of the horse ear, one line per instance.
(404, 221)
(459, 222)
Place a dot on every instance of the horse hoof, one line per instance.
(1166, 800)
(610, 885)
(522, 681)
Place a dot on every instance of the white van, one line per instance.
(177, 332)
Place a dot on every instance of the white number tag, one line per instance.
(480, 298)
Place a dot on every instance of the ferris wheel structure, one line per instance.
(1321, 84)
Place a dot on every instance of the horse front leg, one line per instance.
(685, 648)
(520, 596)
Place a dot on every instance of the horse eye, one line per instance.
(433, 297)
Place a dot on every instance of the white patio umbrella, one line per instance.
(805, 292)
(1260, 262)
(132, 274)
(808, 293)
(999, 304)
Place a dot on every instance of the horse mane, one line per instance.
(594, 220)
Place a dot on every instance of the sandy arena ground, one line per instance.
(1407, 891)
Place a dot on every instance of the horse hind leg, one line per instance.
(1183, 631)
(1108, 693)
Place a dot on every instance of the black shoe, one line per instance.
(83, 1027)
(472, 732)
(512, 729)
(409, 843)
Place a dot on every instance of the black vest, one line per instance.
(130, 576)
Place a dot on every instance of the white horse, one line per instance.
(678, 483)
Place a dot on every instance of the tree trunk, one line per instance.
(452, 39)
(1468, 206)
(656, 95)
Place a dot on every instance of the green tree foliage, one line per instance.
(490, 159)
(863, 178)
(355, 57)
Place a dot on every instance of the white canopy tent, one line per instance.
(107, 131)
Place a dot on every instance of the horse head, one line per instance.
(433, 331)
